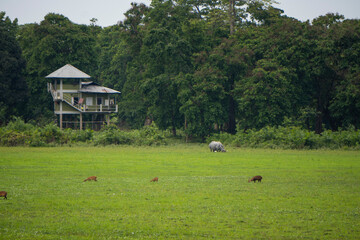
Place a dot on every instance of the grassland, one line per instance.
(200, 195)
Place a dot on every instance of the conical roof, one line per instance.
(68, 71)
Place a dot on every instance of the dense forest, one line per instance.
(197, 65)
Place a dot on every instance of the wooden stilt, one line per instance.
(61, 121)
(81, 123)
(108, 119)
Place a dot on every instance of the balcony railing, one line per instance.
(98, 108)
(79, 105)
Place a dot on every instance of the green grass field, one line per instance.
(200, 195)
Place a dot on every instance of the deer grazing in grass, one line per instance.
(155, 179)
(256, 178)
(92, 178)
(3, 194)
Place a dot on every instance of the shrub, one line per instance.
(18, 125)
(112, 136)
(148, 135)
(12, 138)
(74, 136)
(52, 134)
(19, 133)
(290, 137)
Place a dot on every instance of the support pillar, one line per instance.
(108, 119)
(61, 121)
(81, 123)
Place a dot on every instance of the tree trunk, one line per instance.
(318, 125)
(173, 125)
(319, 115)
(232, 122)
(174, 131)
(232, 16)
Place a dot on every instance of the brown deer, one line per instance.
(3, 194)
(256, 178)
(155, 179)
(92, 178)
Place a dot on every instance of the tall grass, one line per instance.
(200, 195)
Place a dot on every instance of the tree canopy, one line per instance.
(13, 88)
(198, 65)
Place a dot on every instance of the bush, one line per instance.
(52, 134)
(75, 136)
(290, 138)
(18, 125)
(12, 138)
(148, 135)
(19, 133)
(112, 136)
(151, 135)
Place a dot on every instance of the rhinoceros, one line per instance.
(216, 147)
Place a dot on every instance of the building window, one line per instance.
(74, 100)
(89, 101)
(99, 101)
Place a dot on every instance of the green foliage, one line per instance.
(13, 88)
(18, 125)
(201, 97)
(76, 136)
(291, 138)
(197, 66)
(148, 135)
(112, 137)
(19, 133)
(47, 46)
(264, 99)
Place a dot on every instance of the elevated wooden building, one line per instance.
(78, 102)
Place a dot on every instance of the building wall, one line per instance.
(71, 85)
(66, 108)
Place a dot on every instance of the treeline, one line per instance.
(202, 67)
(19, 133)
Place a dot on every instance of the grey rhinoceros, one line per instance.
(216, 147)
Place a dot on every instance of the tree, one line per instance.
(264, 98)
(165, 54)
(13, 88)
(113, 57)
(201, 96)
(263, 13)
(232, 60)
(126, 68)
(324, 72)
(47, 46)
(201, 8)
(344, 106)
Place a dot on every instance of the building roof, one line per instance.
(68, 71)
(91, 87)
